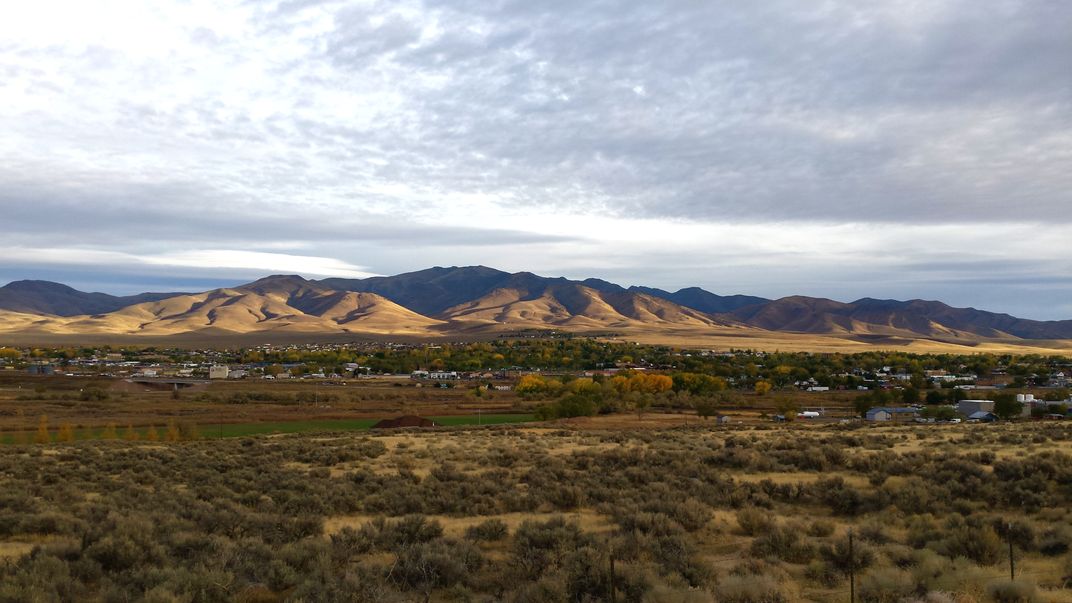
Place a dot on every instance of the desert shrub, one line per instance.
(490, 530)
(649, 524)
(545, 590)
(674, 553)
(280, 576)
(690, 514)
(588, 578)
(915, 495)
(49, 523)
(821, 528)
(348, 543)
(886, 585)
(873, 532)
(356, 585)
(980, 544)
(1012, 591)
(823, 573)
(1056, 540)
(115, 552)
(750, 589)
(785, 543)
(841, 498)
(540, 546)
(1021, 532)
(38, 577)
(923, 529)
(839, 556)
(899, 555)
(406, 532)
(565, 497)
(755, 521)
(425, 566)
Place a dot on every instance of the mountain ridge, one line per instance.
(443, 300)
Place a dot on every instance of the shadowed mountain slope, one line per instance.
(704, 301)
(428, 291)
(45, 297)
(915, 318)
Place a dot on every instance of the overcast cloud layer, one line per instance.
(844, 149)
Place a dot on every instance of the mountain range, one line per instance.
(481, 301)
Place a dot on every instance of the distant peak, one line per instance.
(278, 283)
(33, 285)
(282, 277)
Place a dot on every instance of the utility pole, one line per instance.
(613, 586)
(1012, 561)
(852, 571)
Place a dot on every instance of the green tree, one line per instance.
(706, 407)
(1006, 406)
(787, 408)
(910, 395)
(862, 404)
(938, 413)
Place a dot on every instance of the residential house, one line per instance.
(891, 413)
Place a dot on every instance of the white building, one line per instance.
(218, 371)
(967, 407)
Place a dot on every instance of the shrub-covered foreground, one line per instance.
(494, 514)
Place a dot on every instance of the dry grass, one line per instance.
(14, 550)
(723, 338)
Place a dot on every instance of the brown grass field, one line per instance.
(746, 512)
(685, 509)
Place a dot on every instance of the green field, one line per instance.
(248, 429)
(233, 430)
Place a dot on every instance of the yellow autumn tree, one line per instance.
(535, 384)
(65, 433)
(42, 436)
(762, 387)
(646, 383)
(131, 434)
(109, 432)
(583, 385)
(151, 434)
(172, 433)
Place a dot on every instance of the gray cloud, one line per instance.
(354, 130)
(943, 113)
(704, 111)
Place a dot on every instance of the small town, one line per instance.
(895, 388)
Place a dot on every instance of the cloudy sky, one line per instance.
(911, 148)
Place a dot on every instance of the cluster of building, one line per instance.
(980, 411)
